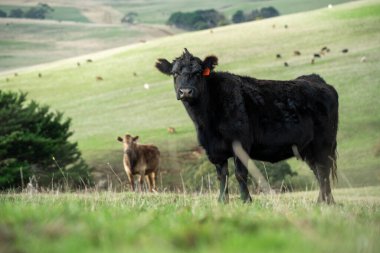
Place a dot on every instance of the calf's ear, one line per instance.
(210, 62)
(164, 66)
(119, 139)
(135, 138)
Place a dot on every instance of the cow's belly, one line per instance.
(271, 154)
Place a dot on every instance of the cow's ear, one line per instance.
(135, 138)
(164, 66)
(210, 62)
(119, 139)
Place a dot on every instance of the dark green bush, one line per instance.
(35, 140)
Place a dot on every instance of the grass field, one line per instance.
(168, 222)
(95, 25)
(103, 110)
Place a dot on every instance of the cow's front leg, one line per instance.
(241, 174)
(222, 171)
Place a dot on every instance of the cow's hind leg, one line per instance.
(241, 174)
(322, 172)
(222, 171)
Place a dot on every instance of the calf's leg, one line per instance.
(152, 178)
(222, 171)
(241, 174)
(141, 182)
(131, 181)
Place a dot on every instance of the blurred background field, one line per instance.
(103, 110)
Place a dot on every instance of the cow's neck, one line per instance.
(201, 111)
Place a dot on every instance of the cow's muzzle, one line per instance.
(186, 93)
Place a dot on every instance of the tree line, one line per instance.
(38, 12)
(205, 19)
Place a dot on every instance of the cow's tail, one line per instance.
(334, 167)
(335, 121)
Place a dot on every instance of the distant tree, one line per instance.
(45, 6)
(238, 17)
(34, 141)
(130, 18)
(197, 20)
(254, 15)
(3, 14)
(16, 13)
(36, 13)
(269, 12)
(276, 173)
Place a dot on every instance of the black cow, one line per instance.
(273, 120)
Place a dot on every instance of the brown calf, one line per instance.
(140, 159)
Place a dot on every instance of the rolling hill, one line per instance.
(102, 110)
(77, 28)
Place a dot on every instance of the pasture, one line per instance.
(74, 29)
(170, 222)
(192, 221)
(102, 110)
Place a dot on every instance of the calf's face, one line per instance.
(129, 142)
(189, 73)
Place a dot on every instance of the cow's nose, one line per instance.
(186, 93)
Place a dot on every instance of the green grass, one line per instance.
(23, 42)
(101, 111)
(166, 222)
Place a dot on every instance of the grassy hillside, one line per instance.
(102, 110)
(126, 222)
(74, 29)
(159, 11)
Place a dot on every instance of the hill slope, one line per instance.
(102, 110)
(77, 28)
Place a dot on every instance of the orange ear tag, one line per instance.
(206, 72)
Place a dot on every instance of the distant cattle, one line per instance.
(134, 74)
(278, 56)
(345, 51)
(39, 75)
(363, 59)
(325, 49)
(16, 74)
(286, 64)
(78, 64)
(171, 130)
(89, 60)
(272, 120)
(317, 55)
(297, 53)
(286, 26)
(312, 61)
(99, 78)
(142, 160)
